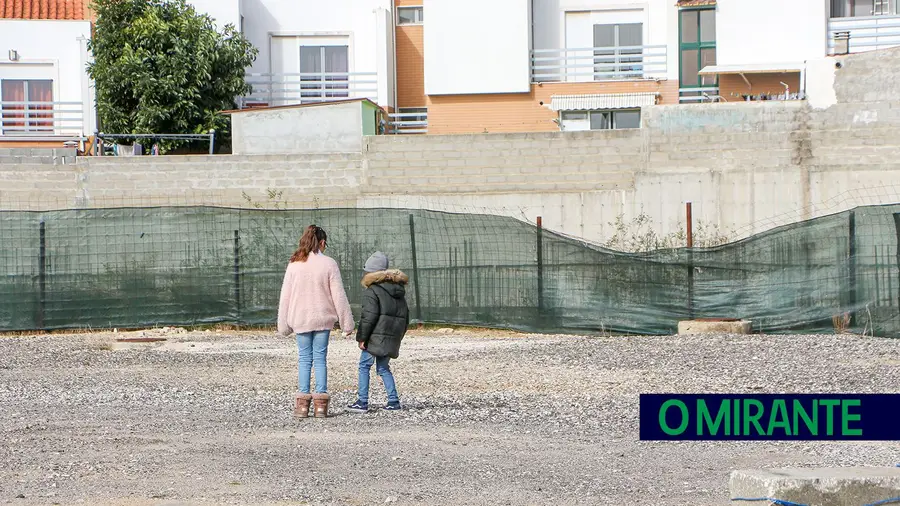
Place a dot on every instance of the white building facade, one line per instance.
(45, 93)
(468, 66)
(318, 51)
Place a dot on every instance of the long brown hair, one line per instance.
(309, 243)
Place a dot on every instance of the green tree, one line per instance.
(160, 67)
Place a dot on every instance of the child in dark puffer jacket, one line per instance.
(385, 318)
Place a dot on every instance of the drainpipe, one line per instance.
(394, 53)
(803, 81)
(531, 49)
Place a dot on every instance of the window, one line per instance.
(573, 121)
(25, 106)
(858, 8)
(410, 15)
(697, 37)
(324, 72)
(612, 45)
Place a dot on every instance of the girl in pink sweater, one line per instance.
(312, 300)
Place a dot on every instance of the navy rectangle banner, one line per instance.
(770, 417)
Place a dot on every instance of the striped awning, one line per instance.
(601, 101)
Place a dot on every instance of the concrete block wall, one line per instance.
(52, 156)
(725, 158)
(501, 163)
(184, 180)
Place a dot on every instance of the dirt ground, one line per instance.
(488, 418)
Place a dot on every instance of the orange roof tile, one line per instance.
(44, 9)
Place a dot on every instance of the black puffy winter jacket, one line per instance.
(385, 315)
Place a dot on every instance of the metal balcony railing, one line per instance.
(41, 119)
(598, 64)
(697, 94)
(865, 33)
(408, 123)
(304, 88)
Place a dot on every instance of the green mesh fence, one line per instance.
(140, 267)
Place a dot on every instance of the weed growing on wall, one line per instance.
(638, 235)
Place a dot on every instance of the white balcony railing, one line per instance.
(598, 64)
(36, 120)
(303, 88)
(866, 33)
(694, 95)
(409, 123)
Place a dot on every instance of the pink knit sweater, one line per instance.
(313, 297)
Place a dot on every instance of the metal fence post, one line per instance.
(42, 276)
(212, 141)
(690, 259)
(415, 266)
(237, 272)
(851, 267)
(540, 264)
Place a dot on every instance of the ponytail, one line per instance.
(309, 243)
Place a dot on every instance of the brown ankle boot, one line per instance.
(320, 402)
(301, 405)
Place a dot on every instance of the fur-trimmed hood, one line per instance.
(395, 276)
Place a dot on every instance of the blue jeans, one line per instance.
(366, 360)
(313, 348)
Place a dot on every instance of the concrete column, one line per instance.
(385, 66)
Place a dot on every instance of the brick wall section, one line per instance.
(411, 66)
(523, 112)
(732, 85)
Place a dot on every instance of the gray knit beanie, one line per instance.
(377, 262)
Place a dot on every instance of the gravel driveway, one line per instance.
(489, 418)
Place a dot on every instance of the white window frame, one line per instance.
(586, 118)
(340, 88)
(44, 123)
(419, 15)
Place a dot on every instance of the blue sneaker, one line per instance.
(393, 406)
(358, 407)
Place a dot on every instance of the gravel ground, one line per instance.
(489, 418)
